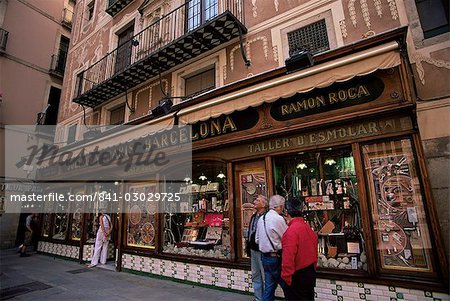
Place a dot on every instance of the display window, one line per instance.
(325, 182)
(141, 218)
(75, 231)
(398, 212)
(252, 183)
(199, 223)
(75, 228)
(60, 226)
(46, 224)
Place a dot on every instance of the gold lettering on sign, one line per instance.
(319, 101)
(322, 137)
(346, 94)
(303, 105)
(229, 124)
(214, 127)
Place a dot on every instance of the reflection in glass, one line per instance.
(60, 226)
(401, 231)
(199, 224)
(326, 183)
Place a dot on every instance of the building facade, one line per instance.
(351, 132)
(34, 41)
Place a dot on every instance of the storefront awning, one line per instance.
(362, 63)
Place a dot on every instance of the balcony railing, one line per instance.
(115, 6)
(67, 17)
(3, 39)
(58, 64)
(182, 34)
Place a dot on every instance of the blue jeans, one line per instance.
(272, 273)
(257, 274)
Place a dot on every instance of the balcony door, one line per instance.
(200, 11)
(123, 58)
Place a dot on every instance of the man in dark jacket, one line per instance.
(299, 260)
(253, 249)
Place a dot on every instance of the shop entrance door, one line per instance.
(250, 181)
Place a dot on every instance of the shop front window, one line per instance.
(199, 223)
(46, 225)
(60, 226)
(141, 218)
(325, 182)
(75, 229)
(400, 227)
(252, 183)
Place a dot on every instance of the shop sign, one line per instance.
(332, 135)
(148, 150)
(339, 95)
(225, 124)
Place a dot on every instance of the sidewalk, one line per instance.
(41, 277)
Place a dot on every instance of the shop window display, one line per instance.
(60, 226)
(75, 231)
(325, 181)
(198, 224)
(398, 213)
(46, 224)
(252, 184)
(141, 218)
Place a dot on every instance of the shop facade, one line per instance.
(341, 136)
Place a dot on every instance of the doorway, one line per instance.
(250, 180)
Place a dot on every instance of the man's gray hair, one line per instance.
(275, 201)
(263, 198)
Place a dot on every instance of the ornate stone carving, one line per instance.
(393, 9)
(378, 7)
(352, 12)
(248, 50)
(343, 27)
(419, 67)
(254, 9)
(275, 53)
(277, 4)
(365, 12)
(150, 87)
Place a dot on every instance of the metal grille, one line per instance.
(312, 37)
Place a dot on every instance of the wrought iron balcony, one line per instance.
(115, 6)
(181, 35)
(3, 39)
(67, 18)
(58, 64)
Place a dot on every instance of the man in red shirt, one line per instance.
(299, 260)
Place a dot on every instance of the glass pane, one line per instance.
(193, 14)
(141, 218)
(46, 225)
(326, 183)
(60, 226)
(199, 224)
(211, 9)
(76, 223)
(252, 184)
(401, 231)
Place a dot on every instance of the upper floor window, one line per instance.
(433, 15)
(200, 82)
(71, 136)
(312, 37)
(117, 115)
(124, 43)
(90, 10)
(200, 11)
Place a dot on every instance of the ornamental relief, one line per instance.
(367, 9)
(149, 88)
(419, 58)
(81, 59)
(248, 52)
